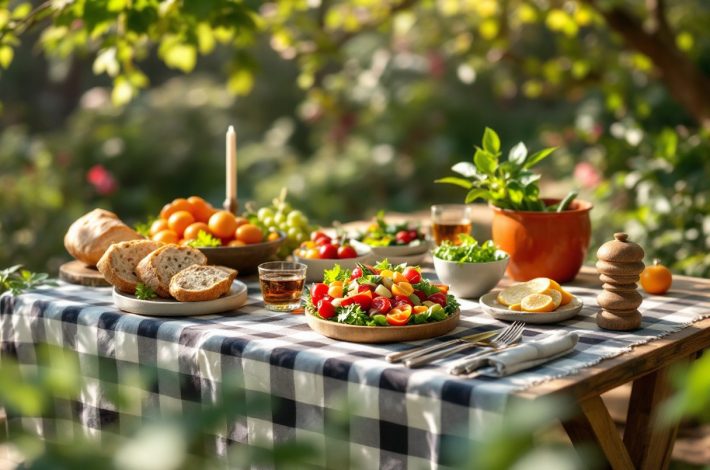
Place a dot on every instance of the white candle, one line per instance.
(231, 164)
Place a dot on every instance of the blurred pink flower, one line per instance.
(101, 179)
(587, 175)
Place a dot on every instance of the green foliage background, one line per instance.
(353, 106)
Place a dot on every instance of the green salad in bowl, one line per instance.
(470, 268)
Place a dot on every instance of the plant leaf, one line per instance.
(485, 162)
(537, 157)
(516, 192)
(477, 193)
(491, 141)
(466, 169)
(529, 178)
(518, 154)
(466, 184)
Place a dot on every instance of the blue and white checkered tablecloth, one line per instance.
(400, 418)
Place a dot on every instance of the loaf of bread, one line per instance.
(158, 268)
(90, 235)
(199, 283)
(118, 264)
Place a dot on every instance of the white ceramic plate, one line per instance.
(234, 299)
(491, 306)
(317, 266)
(394, 252)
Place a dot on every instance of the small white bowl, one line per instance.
(412, 255)
(315, 269)
(470, 280)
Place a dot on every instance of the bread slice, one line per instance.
(199, 283)
(90, 235)
(118, 264)
(158, 268)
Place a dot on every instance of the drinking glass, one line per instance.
(449, 221)
(282, 284)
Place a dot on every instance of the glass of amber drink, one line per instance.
(448, 221)
(282, 284)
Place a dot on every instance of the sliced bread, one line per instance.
(158, 268)
(118, 264)
(199, 283)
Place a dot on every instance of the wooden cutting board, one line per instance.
(76, 272)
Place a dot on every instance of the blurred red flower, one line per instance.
(102, 180)
(587, 175)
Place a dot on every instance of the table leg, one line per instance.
(594, 425)
(650, 445)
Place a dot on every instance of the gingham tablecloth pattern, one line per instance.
(400, 417)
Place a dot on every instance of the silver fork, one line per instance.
(485, 337)
(510, 333)
(477, 359)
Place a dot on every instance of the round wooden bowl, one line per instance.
(246, 258)
(382, 334)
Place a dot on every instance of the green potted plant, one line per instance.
(545, 237)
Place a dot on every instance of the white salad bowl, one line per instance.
(470, 280)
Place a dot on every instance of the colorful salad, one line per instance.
(380, 233)
(379, 295)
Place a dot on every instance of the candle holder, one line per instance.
(231, 205)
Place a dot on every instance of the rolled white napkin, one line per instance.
(524, 356)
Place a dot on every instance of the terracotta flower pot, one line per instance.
(544, 244)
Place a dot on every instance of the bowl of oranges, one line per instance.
(225, 239)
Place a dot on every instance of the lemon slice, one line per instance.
(566, 296)
(537, 303)
(515, 307)
(556, 297)
(514, 294)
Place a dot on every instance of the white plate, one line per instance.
(317, 266)
(394, 252)
(234, 299)
(491, 306)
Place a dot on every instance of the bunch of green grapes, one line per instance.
(280, 216)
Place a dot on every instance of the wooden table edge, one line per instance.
(626, 367)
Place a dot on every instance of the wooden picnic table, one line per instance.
(645, 444)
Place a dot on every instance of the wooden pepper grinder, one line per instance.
(620, 263)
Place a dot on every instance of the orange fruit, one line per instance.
(194, 229)
(201, 209)
(178, 204)
(537, 303)
(222, 224)
(656, 279)
(241, 221)
(158, 225)
(273, 236)
(249, 233)
(166, 236)
(236, 243)
(179, 221)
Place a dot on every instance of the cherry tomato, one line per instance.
(414, 235)
(316, 235)
(324, 240)
(363, 300)
(399, 316)
(381, 304)
(364, 288)
(412, 275)
(420, 294)
(403, 237)
(346, 251)
(400, 299)
(347, 301)
(325, 309)
(357, 272)
(318, 291)
(438, 298)
(328, 251)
